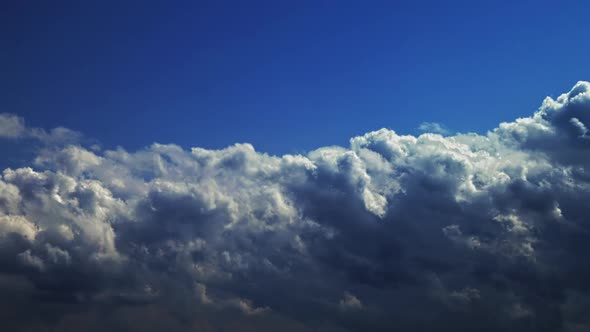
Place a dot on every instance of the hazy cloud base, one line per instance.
(429, 233)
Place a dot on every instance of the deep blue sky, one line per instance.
(287, 76)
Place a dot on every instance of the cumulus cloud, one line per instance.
(393, 232)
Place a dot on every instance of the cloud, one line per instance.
(433, 127)
(11, 126)
(393, 232)
(350, 302)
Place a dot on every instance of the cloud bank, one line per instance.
(394, 232)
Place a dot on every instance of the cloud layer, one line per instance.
(448, 233)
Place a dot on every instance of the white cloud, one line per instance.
(433, 127)
(497, 220)
(11, 126)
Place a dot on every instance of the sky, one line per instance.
(287, 77)
(319, 167)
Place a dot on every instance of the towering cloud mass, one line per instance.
(404, 233)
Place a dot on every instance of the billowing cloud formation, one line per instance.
(405, 233)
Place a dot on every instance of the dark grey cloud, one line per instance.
(456, 233)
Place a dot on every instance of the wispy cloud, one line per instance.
(13, 127)
(433, 127)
